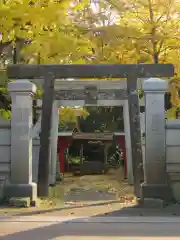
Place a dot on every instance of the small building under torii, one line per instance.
(92, 149)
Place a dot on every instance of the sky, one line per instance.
(111, 14)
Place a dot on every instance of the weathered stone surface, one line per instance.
(155, 148)
(20, 182)
(21, 191)
(19, 202)
(156, 191)
(152, 203)
(176, 191)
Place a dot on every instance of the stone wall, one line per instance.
(5, 155)
(5, 150)
(173, 155)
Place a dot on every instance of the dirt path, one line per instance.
(103, 187)
(96, 194)
(87, 195)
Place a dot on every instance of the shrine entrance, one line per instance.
(101, 93)
(91, 93)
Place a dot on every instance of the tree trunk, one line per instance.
(153, 34)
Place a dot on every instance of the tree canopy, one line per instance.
(48, 25)
(82, 31)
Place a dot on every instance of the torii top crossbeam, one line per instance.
(22, 71)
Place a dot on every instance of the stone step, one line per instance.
(1, 190)
(2, 184)
(174, 176)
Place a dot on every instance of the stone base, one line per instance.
(21, 191)
(20, 202)
(176, 191)
(151, 203)
(156, 191)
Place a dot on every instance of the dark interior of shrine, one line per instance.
(94, 151)
(91, 151)
(100, 120)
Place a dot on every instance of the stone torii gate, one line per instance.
(112, 93)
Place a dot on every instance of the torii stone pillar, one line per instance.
(21, 184)
(155, 175)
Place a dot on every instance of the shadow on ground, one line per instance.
(82, 227)
(52, 210)
(136, 211)
(97, 228)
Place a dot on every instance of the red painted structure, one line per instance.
(65, 139)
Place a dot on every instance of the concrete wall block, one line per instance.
(5, 176)
(173, 137)
(173, 124)
(174, 177)
(5, 123)
(176, 190)
(173, 168)
(4, 172)
(172, 154)
(5, 167)
(5, 136)
(5, 154)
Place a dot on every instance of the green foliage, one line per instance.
(6, 114)
(38, 94)
(49, 26)
(3, 78)
(3, 90)
(133, 31)
(140, 93)
(4, 111)
(103, 119)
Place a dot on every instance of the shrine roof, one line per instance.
(65, 134)
(90, 136)
(93, 136)
(119, 133)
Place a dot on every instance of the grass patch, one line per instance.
(55, 198)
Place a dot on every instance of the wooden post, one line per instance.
(81, 153)
(61, 160)
(45, 143)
